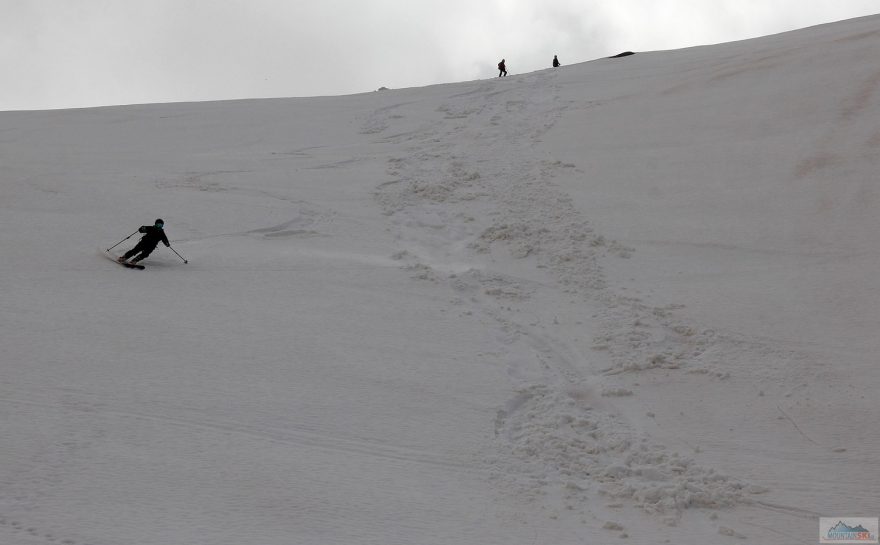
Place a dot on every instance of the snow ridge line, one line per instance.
(447, 201)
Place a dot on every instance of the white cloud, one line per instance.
(57, 53)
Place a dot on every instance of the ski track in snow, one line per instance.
(557, 431)
(292, 435)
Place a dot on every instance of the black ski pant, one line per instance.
(144, 250)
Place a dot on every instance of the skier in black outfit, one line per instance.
(555, 62)
(502, 69)
(153, 234)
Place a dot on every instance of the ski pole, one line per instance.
(178, 255)
(123, 240)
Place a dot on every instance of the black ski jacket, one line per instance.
(152, 237)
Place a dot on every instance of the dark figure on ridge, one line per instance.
(502, 69)
(555, 62)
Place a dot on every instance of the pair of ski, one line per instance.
(115, 259)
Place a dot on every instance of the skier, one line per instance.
(555, 62)
(153, 234)
(502, 69)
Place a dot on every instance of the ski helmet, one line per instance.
(160, 221)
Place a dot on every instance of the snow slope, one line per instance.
(631, 298)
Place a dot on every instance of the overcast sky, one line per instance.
(74, 53)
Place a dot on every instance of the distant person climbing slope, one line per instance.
(153, 234)
(502, 69)
(555, 62)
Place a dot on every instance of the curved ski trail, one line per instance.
(472, 189)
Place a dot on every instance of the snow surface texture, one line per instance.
(629, 300)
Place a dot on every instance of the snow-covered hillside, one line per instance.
(632, 300)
